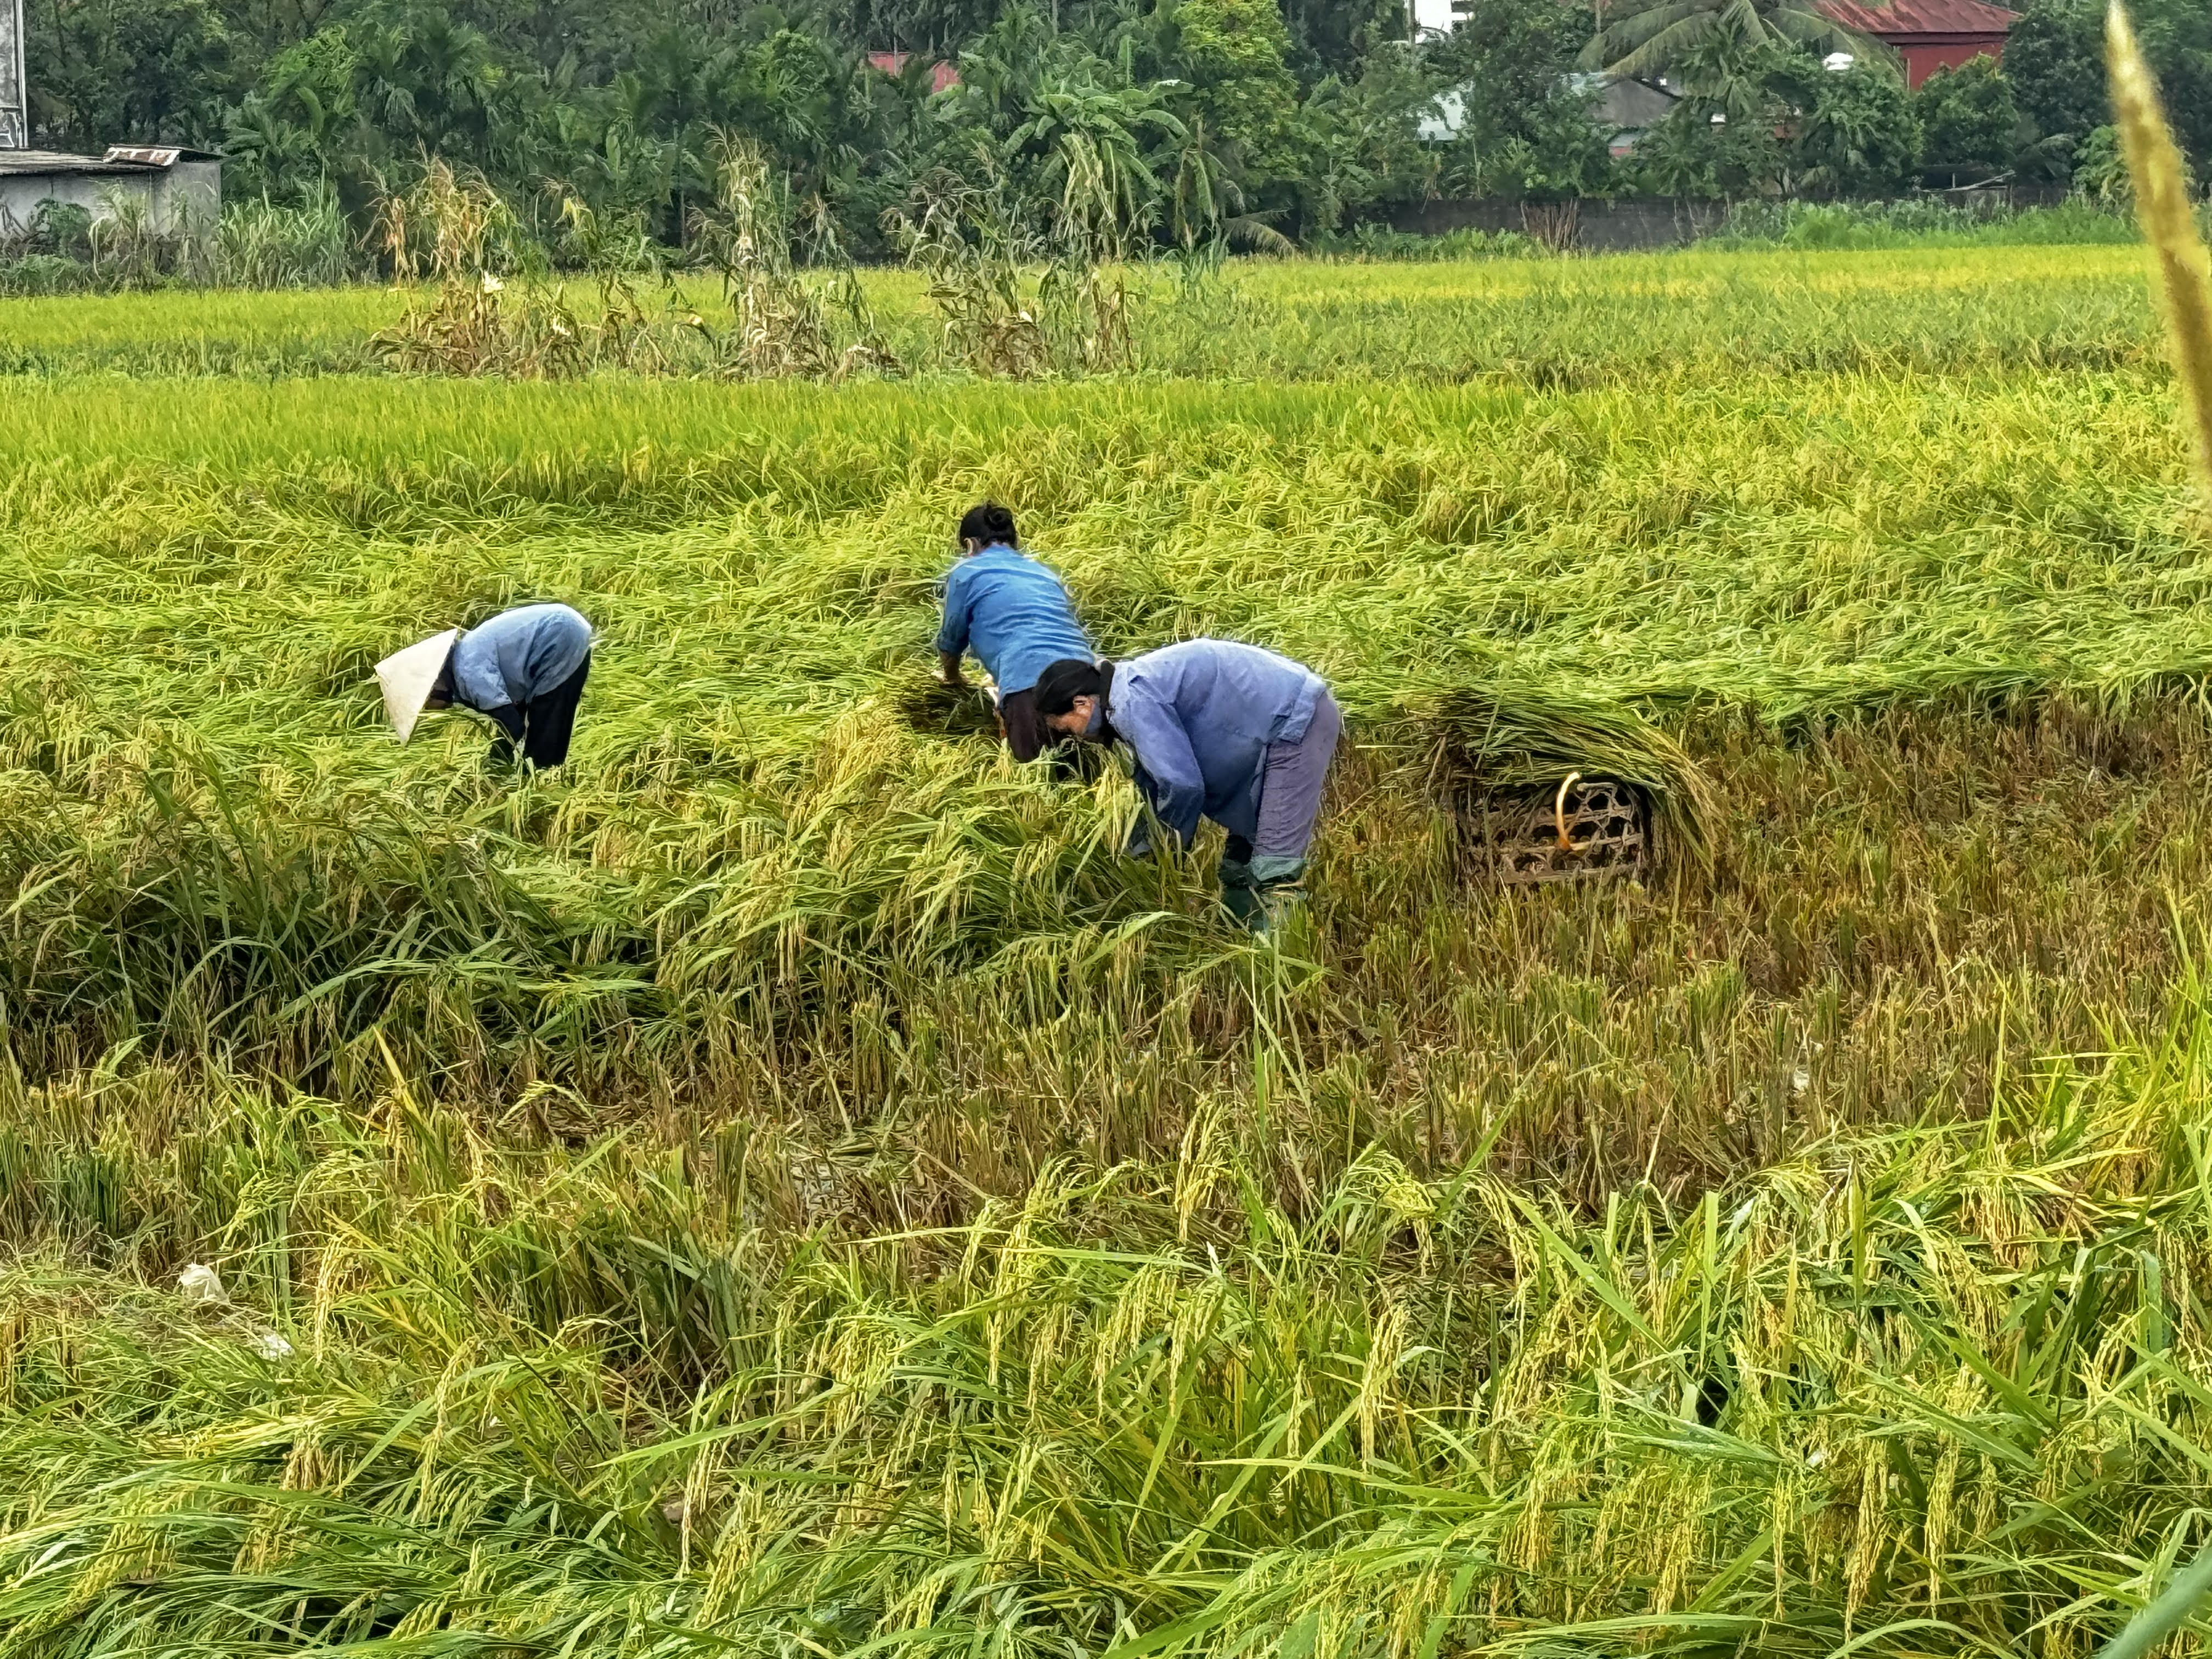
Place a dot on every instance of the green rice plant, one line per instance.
(1681, 319)
(762, 884)
(1920, 1390)
(263, 244)
(787, 1183)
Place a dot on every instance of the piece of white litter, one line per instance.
(202, 1285)
(1814, 1458)
(675, 1511)
(491, 284)
(1799, 1080)
(270, 1346)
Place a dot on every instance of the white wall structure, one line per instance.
(178, 191)
(1431, 17)
(1442, 120)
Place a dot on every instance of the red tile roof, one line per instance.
(893, 63)
(1906, 18)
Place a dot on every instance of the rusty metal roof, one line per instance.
(120, 159)
(17, 161)
(157, 155)
(1904, 20)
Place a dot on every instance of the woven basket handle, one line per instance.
(1560, 813)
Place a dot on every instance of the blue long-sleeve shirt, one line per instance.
(1013, 613)
(517, 655)
(1198, 717)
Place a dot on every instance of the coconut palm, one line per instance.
(1649, 39)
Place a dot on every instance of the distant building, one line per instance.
(1629, 109)
(179, 189)
(1929, 35)
(1625, 109)
(1431, 18)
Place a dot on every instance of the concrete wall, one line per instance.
(190, 198)
(1620, 226)
(184, 200)
(1595, 226)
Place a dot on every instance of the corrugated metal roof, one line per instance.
(157, 155)
(120, 159)
(16, 162)
(1906, 18)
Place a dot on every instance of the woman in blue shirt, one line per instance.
(523, 670)
(1014, 614)
(1222, 731)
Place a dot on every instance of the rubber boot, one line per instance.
(1239, 895)
(1279, 889)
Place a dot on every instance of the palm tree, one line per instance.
(1651, 39)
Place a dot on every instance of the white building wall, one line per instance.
(186, 198)
(1432, 16)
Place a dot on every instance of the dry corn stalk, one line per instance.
(2162, 203)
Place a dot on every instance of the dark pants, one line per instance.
(1273, 859)
(541, 726)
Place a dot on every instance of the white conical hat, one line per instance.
(407, 676)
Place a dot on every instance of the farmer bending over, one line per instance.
(523, 670)
(1237, 734)
(1014, 614)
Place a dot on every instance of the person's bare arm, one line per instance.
(950, 661)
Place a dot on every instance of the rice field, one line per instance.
(1535, 322)
(784, 1184)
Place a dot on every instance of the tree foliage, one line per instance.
(1527, 128)
(1860, 133)
(1649, 37)
(1225, 111)
(1968, 116)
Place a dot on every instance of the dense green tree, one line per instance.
(1968, 117)
(1700, 152)
(1527, 127)
(1342, 38)
(1236, 55)
(1856, 132)
(2055, 59)
(127, 71)
(1360, 134)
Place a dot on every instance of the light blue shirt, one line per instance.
(1198, 717)
(519, 655)
(1014, 614)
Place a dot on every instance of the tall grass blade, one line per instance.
(2164, 1616)
(2162, 203)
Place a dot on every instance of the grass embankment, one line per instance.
(1575, 322)
(785, 1184)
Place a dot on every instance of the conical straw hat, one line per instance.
(408, 676)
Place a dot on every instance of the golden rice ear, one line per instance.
(2162, 204)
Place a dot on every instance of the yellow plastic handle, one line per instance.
(1559, 812)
